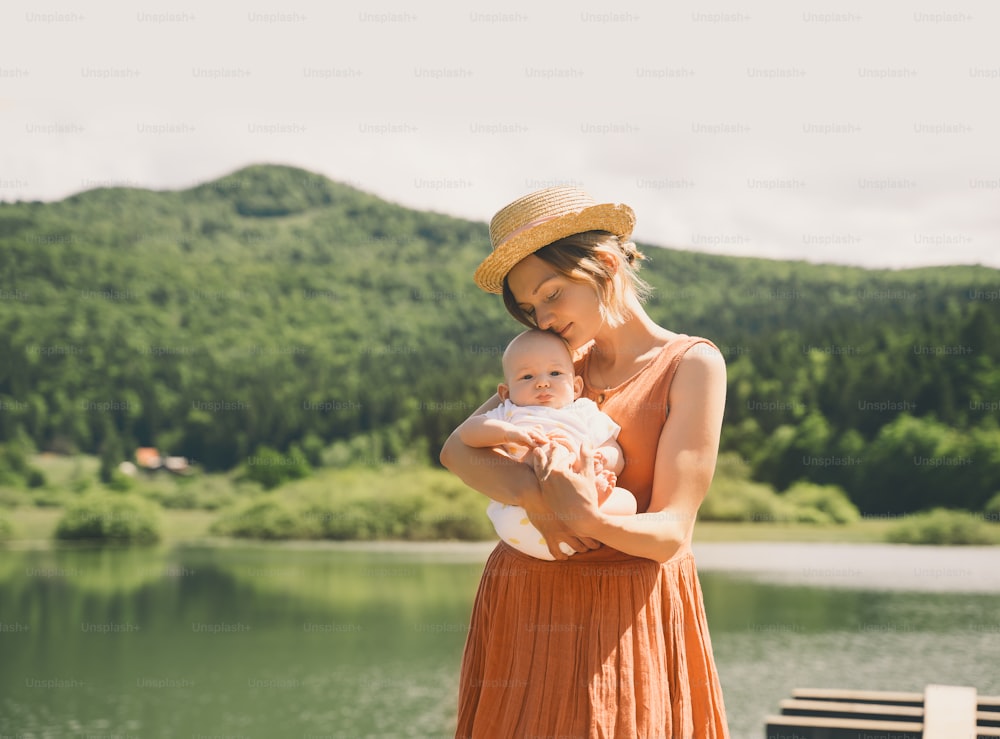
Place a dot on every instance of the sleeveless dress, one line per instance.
(604, 644)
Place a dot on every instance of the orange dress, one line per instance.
(603, 644)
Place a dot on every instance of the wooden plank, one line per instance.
(949, 712)
(831, 709)
(806, 727)
(860, 696)
(941, 712)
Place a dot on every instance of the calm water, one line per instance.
(277, 641)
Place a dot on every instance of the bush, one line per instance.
(119, 481)
(743, 501)
(991, 510)
(111, 517)
(353, 518)
(399, 503)
(944, 526)
(268, 517)
(271, 468)
(312, 448)
(12, 497)
(15, 469)
(734, 497)
(813, 503)
(462, 518)
(6, 528)
(206, 492)
(49, 497)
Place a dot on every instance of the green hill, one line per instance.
(276, 307)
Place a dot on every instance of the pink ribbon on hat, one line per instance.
(526, 226)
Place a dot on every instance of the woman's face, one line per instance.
(569, 308)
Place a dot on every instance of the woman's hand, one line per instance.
(568, 488)
(561, 540)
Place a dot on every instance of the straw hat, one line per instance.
(538, 219)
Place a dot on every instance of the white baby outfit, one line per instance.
(581, 421)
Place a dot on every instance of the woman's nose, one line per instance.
(543, 319)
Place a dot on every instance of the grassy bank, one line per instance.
(864, 531)
(419, 503)
(38, 525)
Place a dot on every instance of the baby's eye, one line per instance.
(526, 377)
(555, 373)
(552, 296)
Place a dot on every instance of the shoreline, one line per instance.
(844, 564)
(183, 526)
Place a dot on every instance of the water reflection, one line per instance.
(338, 641)
(253, 642)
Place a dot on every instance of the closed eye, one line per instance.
(530, 311)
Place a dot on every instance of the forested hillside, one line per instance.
(275, 307)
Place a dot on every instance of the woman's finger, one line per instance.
(560, 455)
(541, 462)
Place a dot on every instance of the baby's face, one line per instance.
(540, 372)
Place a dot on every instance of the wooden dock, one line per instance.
(940, 712)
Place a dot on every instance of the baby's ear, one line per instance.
(577, 386)
(503, 391)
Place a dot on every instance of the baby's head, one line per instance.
(538, 370)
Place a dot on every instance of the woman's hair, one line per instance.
(576, 258)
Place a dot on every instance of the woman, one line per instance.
(612, 641)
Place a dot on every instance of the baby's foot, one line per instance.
(605, 481)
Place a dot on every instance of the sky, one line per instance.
(830, 132)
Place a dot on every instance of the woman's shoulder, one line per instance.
(696, 354)
(686, 344)
(699, 361)
(685, 348)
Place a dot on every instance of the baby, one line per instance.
(541, 402)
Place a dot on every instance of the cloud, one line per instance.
(741, 131)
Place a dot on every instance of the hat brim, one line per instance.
(617, 218)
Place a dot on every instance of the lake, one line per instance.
(245, 640)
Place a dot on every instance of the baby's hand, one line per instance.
(530, 438)
(558, 437)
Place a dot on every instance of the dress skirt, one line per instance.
(603, 645)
